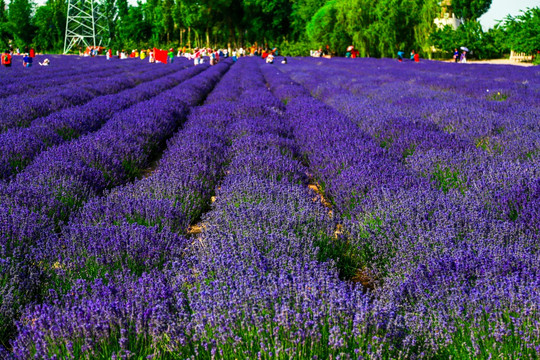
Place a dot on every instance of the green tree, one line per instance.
(523, 31)
(137, 28)
(168, 20)
(327, 27)
(4, 27)
(470, 9)
(375, 28)
(482, 45)
(49, 22)
(110, 11)
(301, 13)
(20, 21)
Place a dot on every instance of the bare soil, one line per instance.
(497, 62)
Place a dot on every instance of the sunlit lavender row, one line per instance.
(319, 209)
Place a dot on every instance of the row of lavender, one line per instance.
(270, 275)
(141, 228)
(492, 163)
(20, 109)
(40, 199)
(263, 285)
(453, 247)
(66, 72)
(19, 79)
(131, 273)
(381, 90)
(20, 145)
(129, 284)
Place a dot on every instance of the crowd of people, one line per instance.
(198, 55)
(460, 57)
(414, 56)
(28, 56)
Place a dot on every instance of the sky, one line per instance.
(500, 8)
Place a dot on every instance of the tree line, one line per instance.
(377, 28)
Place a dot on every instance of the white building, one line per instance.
(447, 16)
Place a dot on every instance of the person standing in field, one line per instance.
(27, 60)
(416, 57)
(212, 56)
(456, 55)
(197, 56)
(32, 53)
(463, 57)
(170, 55)
(6, 59)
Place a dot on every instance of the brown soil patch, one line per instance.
(318, 191)
(195, 229)
(364, 277)
(338, 231)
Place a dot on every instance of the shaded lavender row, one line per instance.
(19, 146)
(502, 85)
(113, 155)
(258, 287)
(166, 202)
(60, 75)
(454, 269)
(487, 169)
(251, 287)
(453, 279)
(496, 126)
(65, 63)
(63, 178)
(19, 111)
(130, 229)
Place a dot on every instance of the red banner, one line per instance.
(161, 55)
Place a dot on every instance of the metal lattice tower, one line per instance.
(85, 25)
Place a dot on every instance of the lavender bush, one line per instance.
(63, 178)
(344, 209)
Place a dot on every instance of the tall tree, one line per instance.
(470, 9)
(4, 27)
(49, 22)
(168, 20)
(328, 26)
(20, 21)
(301, 14)
(523, 31)
(374, 27)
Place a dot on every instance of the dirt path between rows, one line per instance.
(497, 62)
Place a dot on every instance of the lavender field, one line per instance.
(323, 209)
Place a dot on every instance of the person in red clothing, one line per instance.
(416, 57)
(32, 53)
(6, 59)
